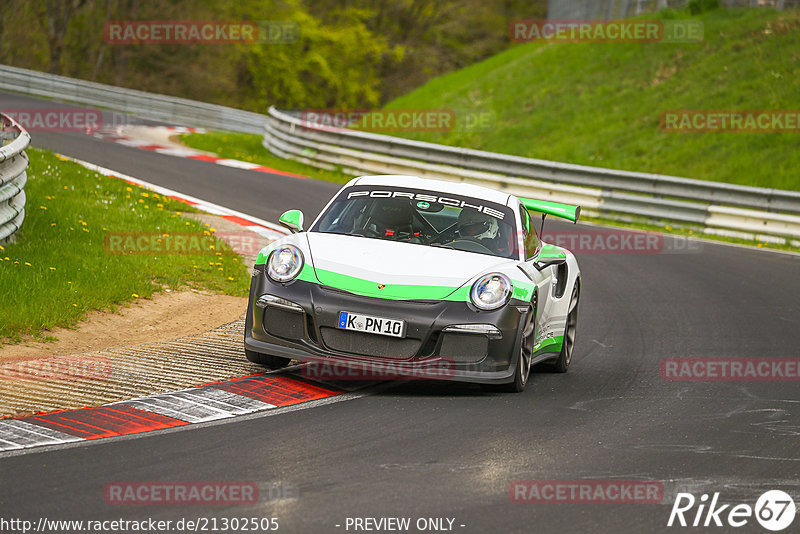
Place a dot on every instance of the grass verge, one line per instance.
(60, 266)
(601, 104)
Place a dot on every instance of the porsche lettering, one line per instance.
(422, 197)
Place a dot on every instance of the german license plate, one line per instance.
(372, 325)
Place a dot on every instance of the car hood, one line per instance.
(387, 269)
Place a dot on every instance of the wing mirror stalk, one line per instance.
(543, 263)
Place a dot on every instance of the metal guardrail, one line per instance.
(719, 208)
(172, 110)
(620, 195)
(13, 162)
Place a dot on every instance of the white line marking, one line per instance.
(278, 231)
(133, 142)
(23, 434)
(237, 164)
(8, 446)
(179, 152)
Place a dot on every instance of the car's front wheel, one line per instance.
(271, 362)
(523, 369)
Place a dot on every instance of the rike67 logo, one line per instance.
(774, 510)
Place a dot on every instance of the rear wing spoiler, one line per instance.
(565, 211)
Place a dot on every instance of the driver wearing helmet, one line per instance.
(392, 218)
(479, 227)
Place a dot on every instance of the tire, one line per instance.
(523, 368)
(270, 362)
(565, 358)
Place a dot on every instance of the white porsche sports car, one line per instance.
(420, 273)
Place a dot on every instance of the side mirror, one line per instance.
(543, 263)
(293, 220)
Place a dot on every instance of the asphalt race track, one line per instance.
(434, 450)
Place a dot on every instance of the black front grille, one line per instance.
(464, 348)
(369, 344)
(284, 323)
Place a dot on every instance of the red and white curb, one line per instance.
(263, 228)
(221, 400)
(119, 135)
(212, 402)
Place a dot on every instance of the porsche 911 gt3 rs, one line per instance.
(416, 273)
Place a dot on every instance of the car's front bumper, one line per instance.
(305, 329)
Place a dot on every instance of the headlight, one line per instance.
(284, 263)
(491, 291)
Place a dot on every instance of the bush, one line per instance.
(701, 6)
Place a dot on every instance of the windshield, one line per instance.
(423, 218)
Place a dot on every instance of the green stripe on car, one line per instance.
(370, 288)
(551, 344)
(359, 286)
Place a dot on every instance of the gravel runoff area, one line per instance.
(100, 377)
(68, 381)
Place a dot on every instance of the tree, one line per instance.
(55, 18)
